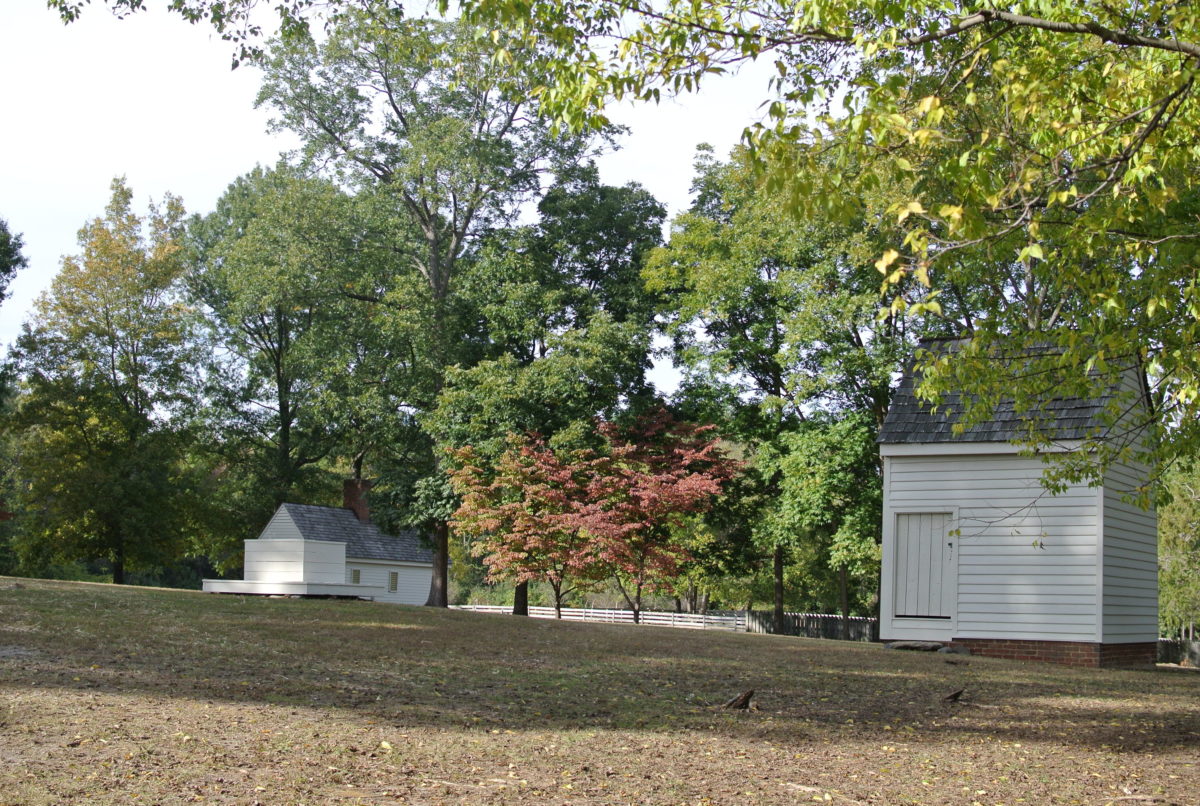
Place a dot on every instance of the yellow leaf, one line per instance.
(889, 257)
(952, 212)
(908, 209)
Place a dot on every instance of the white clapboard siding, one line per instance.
(1130, 561)
(288, 560)
(281, 527)
(1026, 560)
(412, 581)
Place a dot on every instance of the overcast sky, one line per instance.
(153, 99)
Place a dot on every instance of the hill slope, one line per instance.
(123, 695)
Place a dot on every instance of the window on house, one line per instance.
(393, 580)
(355, 576)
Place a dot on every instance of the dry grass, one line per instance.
(112, 695)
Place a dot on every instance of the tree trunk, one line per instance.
(441, 557)
(844, 594)
(637, 604)
(521, 599)
(118, 563)
(779, 617)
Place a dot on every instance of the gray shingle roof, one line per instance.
(909, 420)
(363, 540)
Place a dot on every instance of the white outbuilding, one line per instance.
(977, 554)
(308, 550)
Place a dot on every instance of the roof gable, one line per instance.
(364, 540)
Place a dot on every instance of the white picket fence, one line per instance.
(732, 621)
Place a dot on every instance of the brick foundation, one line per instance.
(1068, 653)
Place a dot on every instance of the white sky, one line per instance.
(153, 99)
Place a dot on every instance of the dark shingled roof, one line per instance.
(911, 421)
(363, 539)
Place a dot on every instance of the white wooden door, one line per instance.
(925, 581)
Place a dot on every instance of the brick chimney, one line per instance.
(354, 497)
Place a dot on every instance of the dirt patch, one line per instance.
(153, 696)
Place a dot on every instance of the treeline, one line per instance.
(440, 274)
(438, 293)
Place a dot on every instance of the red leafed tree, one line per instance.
(536, 515)
(523, 514)
(657, 472)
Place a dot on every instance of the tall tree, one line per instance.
(562, 318)
(11, 259)
(420, 113)
(779, 318)
(105, 366)
(267, 267)
(831, 493)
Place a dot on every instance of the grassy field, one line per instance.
(125, 695)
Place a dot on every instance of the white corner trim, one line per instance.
(1101, 528)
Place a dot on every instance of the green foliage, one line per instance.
(830, 493)
(1037, 165)
(421, 118)
(11, 258)
(105, 366)
(583, 374)
(777, 324)
(1039, 161)
(1179, 553)
(421, 109)
(268, 266)
(785, 313)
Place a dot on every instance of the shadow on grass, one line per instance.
(417, 667)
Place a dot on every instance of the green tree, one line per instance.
(11, 258)
(781, 320)
(1179, 554)
(420, 114)
(582, 375)
(831, 492)
(266, 268)
(105, 366)
(562, 319)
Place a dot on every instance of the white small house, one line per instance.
(310, 550)
(976, 553)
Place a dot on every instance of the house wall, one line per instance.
(1026, 561)
(1130, 591)
(294, 560)
(412, 580)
